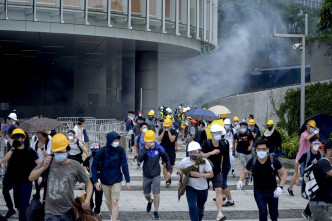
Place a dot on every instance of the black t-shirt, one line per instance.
(166, 143)
(264, 175)
(324, 181)
(216, 158)
(20, 165)
(243, 142)
(313, 158)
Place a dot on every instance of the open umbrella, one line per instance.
(202, 114)
(40, 124)
(323, 122)
(219, 110)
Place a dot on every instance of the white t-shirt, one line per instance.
(74, 149)
(196, 183)
(79, 133)
(39, 151)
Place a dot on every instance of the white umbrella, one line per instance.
(218, 110)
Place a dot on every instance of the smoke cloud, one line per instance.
(248, 44)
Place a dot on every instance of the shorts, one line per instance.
(154, 182)
(217, 181)
(224, 180)
(172, 158)
(112, 192)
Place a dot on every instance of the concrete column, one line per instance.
(128, 83)
(146, 66)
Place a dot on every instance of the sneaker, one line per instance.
(247, 181)
(228, 204)
(214, 199)
(233, 174)
(290, 192)
(221, 217)
(10, 213)
(168, 184)
(306, 216)
(223, 198)
(148, 207)
(155, 215)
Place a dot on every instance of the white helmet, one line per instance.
(188, 108)
(12, 116)
(169, 110)
(227, 121)
(217, 128)
(193, 145)
(152, 111)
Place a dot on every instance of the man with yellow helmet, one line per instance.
(272, 136)
(62, 177)
(235, 124)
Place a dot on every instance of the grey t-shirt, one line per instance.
(196, 183)
(60, 186)
(192, 131)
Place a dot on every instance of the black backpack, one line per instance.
(275, 172)
(305, 165)
(197, 135)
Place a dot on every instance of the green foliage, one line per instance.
(325, 25)
(317, 100)
(290, 144)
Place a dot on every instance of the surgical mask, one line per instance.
(193, 157)
(115, 144)
(243, 130)
(151, 144)
(312, 130)
(145, 130)
(315, 147)
(217, 137)
(226, 127)
(261, 154)
(70, 137)
(166, 129)
(60, 156)
(186, 123)
(236, 123)
(140, 115)
(17, 143)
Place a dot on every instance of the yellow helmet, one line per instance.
(190, 118)
(251, 122)
(312, 123)
(150, 136)
(223, 116)
(168, 117)
(59, 142)
(270, 122)
(150, 113)
(18, 131)
(235, 118)
(167, 122)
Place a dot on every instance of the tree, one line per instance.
(325, 25)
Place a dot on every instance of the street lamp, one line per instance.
(302, 47)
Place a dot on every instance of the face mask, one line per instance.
(312, 130)
(151, 144)
(261, 154)
(226, 127)
(140, 115)
(166, 129)
(115, 144)
(315, 147)
(17, 143)
(150, 118)
(193, 157)
(236, 123)
(269, 128)
(70, 137)
(243, 130)
(217, 137)
(60, 157)
(186, 123)
(145, 130)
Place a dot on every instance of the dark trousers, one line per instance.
(264, 199)
(69, 216)
(196, 201)
(22, 194)
(307, 210)
(6, 187)
(98, 200)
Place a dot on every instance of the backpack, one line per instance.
(275, 172)
(197, 135)
(36, 145)
(305, 165)
(310, 186)
(103, 150)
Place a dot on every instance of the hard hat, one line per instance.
(18, 131)
(312, 123)
(270, 122)
(195, 122)
(251, 122)
(167, 122)
(169, 110)
(188, 108)
(12, 116)
(235, 118)
(59, 142)
(227, 121)
(183, 126)
(150, 136)
(215, 128)
(223, 116)
(190, 118)
(168, 116)
(150, 113)
(194, 146)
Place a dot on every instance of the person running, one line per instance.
(272, 136)
(139, 142)
(214, 151)
(266, 191)
(21, 161)
(113, 166)
(150, 155)
(243, 141)
(95, 206)
(167, 136)
(308, 158)
(229, 136)
(64, 173)
(196, 187)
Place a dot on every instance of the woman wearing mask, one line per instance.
(76, 147)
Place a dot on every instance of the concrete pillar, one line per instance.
(128, 83)
(146, 66)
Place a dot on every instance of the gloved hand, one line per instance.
(239, 185)
(277, 192)
(233, 153)
(316, 132)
